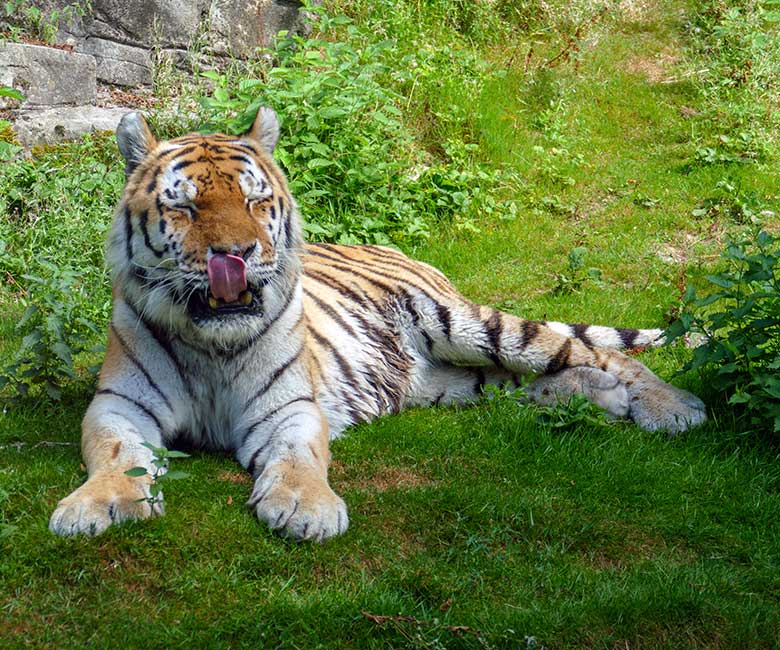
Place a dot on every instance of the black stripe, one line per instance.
(346, 371)
(185, 150)
(353, 271)
(342, 363)
(269, 415)
(128, 235)
(143, 219)
(153, 183)
(334, 315)
(245, 145)
(183, 164)
(384, 342)
(341, 288)
(493, 328)
(581, 332)
(251, 467)
(371, 267)
(140, 367)
(167, 345)
(561, 358)
(530, 332)
(135, 402)
(241, 158)
(288, 237)
(272, 379)
(627, 336)
(445, 319)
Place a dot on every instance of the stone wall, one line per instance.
(121, 34)
(115, 44)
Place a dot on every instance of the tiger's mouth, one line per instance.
(203, 306)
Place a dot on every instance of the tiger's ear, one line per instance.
(135, 140)
(265, 129)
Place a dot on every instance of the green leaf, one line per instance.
(53, 391)
(721, 281)
(7, 91)
(63, 352)
(136, 471)
(173, 475)
(173, 453)
(31, 310)
(316, 163)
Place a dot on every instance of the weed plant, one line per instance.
(740, 316)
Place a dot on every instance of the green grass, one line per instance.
(595, 535)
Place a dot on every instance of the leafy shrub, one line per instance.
(55, 209)
(741, 320)
(54, 333)
(352, 162)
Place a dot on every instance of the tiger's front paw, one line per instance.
(297, 501)
(102, 501)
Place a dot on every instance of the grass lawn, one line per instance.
(478, 527)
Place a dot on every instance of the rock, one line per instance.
(34, 127)
(237, 28)
(119, 64)
(48, 76)
(170, 23)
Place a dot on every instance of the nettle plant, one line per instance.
(353, 164)
(54, 333)
(161, 459)
(740, 317)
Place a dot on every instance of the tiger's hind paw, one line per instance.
(602, 388)
(663, 407)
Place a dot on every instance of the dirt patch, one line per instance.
(637, 11)
(690, 245)
(364, 477)
(237, 478)
(636, 547)
(654, 69)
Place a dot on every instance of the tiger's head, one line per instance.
(205, 238)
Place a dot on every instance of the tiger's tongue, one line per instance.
(227, 276)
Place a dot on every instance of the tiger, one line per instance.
(228, 332)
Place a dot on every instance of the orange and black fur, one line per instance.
(229, 332)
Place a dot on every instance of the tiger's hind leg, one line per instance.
(445, 384)
(461, 333)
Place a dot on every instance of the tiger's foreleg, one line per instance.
(112, 443)
(129, 409)
(289, 456)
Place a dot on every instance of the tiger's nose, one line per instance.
(239, 251)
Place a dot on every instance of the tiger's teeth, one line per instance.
(246, 298)
(212, 302)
